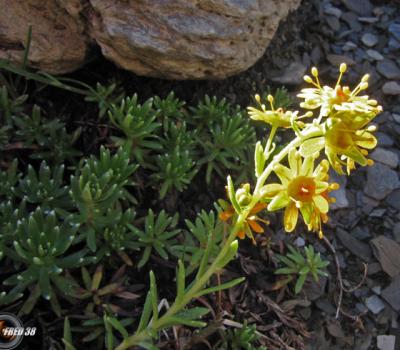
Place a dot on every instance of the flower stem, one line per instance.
(199, 284)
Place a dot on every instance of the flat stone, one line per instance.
(358, 248)
(336, 60)
(352, 20)
(396, 232)
(325, 306)
(387, 252)
(384, 140)
(394, 29)
(391, 88)
(393, 199)
(369, 39)
(291, 75)
(299, 242)
(392, 294)
(361, 233)
(388, 69)
(375, 55)
(396, 117)
(349, 46)
(333, 23)
(374, 304)
(386, 157)
(377, 213)
(377, 290)
(381, 181)
(394, 44)
(334, 11)
(360, 7)
(385, 342)
(368, 19)
(374, 268)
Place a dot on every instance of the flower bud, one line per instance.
(307, 79)
(343, 67)
(314, 71)
(243, 195)
(365, 78)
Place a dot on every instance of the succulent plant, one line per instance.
(139, 125)
(44, 188)
(157, 234)
(40, 248)
(97, 188)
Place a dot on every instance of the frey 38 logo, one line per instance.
(12, 331)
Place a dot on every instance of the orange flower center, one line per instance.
(302, 188)
(340, 96)
(340, 139)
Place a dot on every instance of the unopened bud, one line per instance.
(334, 186)
(370, 162)
(270, 98)
(365, 78)
(346, 90)
(343, 67)
(257, 98)
(314, 71)
(371, 128)
(364, 86)
(307, 79)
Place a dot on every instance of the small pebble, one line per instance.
(391, 88)
(375, 55)
(374, 304)
(369, 39)
(386, 342)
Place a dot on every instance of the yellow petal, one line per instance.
(308, 166)
(321, 186)
(294, 162)
(271, 190)
(290, 217)
(279, 201)
(284, 173)
(366, 140)
(321, 203)
(306, 212)
(311, 146)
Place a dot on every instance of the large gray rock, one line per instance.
(58, 42)
(175, 39)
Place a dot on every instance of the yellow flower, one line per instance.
(344, 145)
(251, 223)
(302, 188)
(339, 99)
(275, 117)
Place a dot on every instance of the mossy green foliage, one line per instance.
(72, 220)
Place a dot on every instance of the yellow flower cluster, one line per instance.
(341, 130)
(346, 138)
